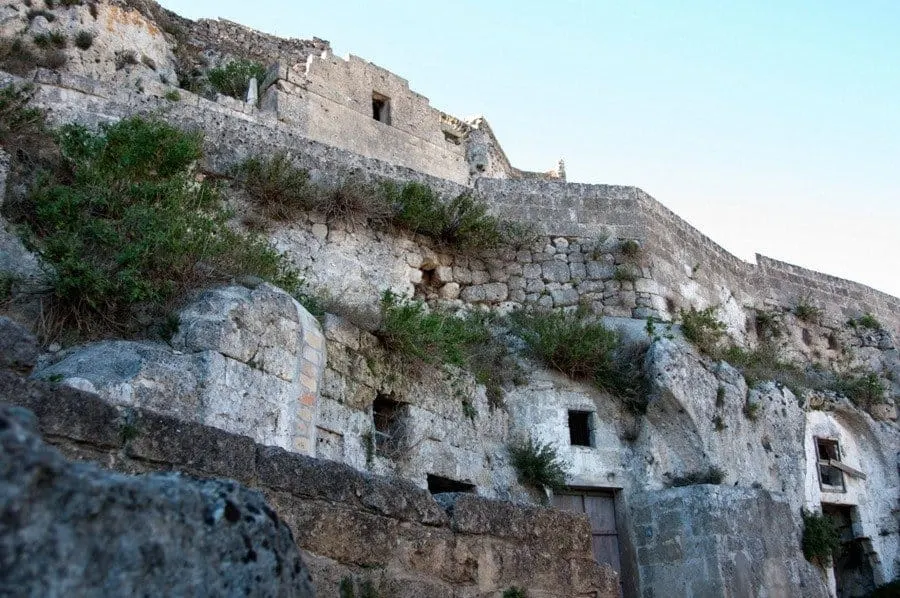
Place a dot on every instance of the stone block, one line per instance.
(555, 271)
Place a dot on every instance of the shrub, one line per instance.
(765, 363)
(713, 475)
(537, 464)
(173, 96)
(277, 188)
(430, 336)
(353, 201)
(133, 230)
(769, 324)
(515, 592)
(821, 538)
(462, 223)
(84, 40)
(703, 329)
(632, 249)
(864, 390)
(866, 321)
(580, 346)
(751, 410)
(570, 342)
(24, 135)
(17, 57)
(807, 312)
(233, 78)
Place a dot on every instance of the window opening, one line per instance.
(389, 418)
(828, 452)
(454, 139)
(580, 433)
(438, 485)
(381, 108)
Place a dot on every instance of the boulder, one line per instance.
(76, 530)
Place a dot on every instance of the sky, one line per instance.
(771, 126)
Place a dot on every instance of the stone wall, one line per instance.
(350, 525)
(712, 541)
(244, 42)
(443, 424)
(329, 99)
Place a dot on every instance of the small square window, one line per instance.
(581, 428)
(381, 108)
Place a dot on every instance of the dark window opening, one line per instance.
(580, 428)
(454, 139)
(389, 417)
(381, 108)
(830, 477)
(438, 485)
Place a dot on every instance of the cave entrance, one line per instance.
(854, 576)
(439, 485)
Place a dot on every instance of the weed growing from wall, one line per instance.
(703, 329)
(807, 312)
(821, 538)
(515, 592)
(864, 389)
(537, 464)
(580, 346)
(234, 78)
(865, 321)
(131, 229)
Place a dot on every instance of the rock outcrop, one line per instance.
(76, 530)
(248, 361)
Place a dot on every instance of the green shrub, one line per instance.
(821, 538)
(632, 249)
(537, 464)
(277, 188)
(703, 329)
(233, 78)
(463, 223)
(345, 589)
(769, 324)
(713, 475)
(807, 312)
(133, 229)
(765, 363)
(864, 389)
(54, 39)
(580, 346)
(430, 336)
(515, 592)
(751, 410)
(84, 40)
(173, 96)
(573, 343)
(866, 321)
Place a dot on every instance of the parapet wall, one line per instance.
(255, 45)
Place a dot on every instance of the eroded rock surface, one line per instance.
(76, 530)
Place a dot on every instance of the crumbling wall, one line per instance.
(350, 525)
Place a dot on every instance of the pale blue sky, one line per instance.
(772, 126)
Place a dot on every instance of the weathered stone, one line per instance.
(449, 291)
(160, 534)
(564, 297)
(18, 347)
(555, 271)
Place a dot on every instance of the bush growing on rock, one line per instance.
(821, 539)
(580, 346)
(537, 464)
(233, 78)
(131, 229)
(703, 329)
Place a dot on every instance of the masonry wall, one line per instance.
(349, 524)
(329, 99)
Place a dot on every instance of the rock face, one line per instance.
(710, 541)
(75, 530)
(247, 361)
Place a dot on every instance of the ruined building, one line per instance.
(701, 493)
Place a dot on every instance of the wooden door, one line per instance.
(600, 508)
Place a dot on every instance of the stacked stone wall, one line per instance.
(245, 42)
